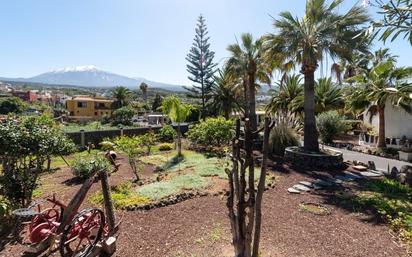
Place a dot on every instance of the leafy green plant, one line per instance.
(123, 196)
(123, 116)
(166, 134)
(281, 137)
(148, 140)
(25, 145)
(82, 167)
(212, 131)
(132, 147)
(330, 124)
(165, 147)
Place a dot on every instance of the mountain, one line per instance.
(91, 76)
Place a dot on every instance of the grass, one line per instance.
(390, 200)
(122, 196)
(162, 189)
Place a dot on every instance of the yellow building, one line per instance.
(89, 108)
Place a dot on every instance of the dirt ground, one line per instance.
(200, 227)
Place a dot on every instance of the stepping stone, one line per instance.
(323, 183)
(344, 178)
(353, 175)
(293, 190)
(370, 174)
(360, 168)
(301, 188)
(334, 180)
(306, 183)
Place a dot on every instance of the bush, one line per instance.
(12, 105)
(84, 166)
(167, 134)
(165, 147)
(330, 124)
(123, 116)
(211, 132)
(281, 137)
(122, 197)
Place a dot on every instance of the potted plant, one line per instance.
(405, 154)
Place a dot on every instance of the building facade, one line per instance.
(89, 108)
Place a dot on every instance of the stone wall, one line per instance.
(97, 136)
(296, 157)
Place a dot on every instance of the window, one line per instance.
(95, 113)
(81, 104)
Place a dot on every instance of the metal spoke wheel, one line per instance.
(81, 236)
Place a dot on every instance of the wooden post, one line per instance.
(121, 131)
(82, 138)
(108, 203)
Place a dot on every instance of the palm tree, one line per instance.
(380, 85)
(284, 103)
(143, 87)
(177, 112)
(248, 64)
(322, 32)
(224, 98)
(328, 96)
(122, 96)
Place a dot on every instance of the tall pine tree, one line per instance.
(201, 66)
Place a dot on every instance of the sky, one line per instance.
(136, 38)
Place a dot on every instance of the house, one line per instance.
(88, 107)
(25, 95)
(398, 125)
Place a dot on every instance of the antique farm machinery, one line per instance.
(73, 232)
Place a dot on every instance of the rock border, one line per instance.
(295, 156)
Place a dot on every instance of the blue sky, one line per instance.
(144, 38)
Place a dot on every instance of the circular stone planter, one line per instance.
(327, 159)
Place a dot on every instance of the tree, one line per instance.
(247, 64)
(285, 103)
(123, 116)
(177, 112)
(157, 102)
(25, 144)
(328, 96)
(143, 87)
(223, 94)
(201, 66)
(396, 20)
(322, 32)
(380, 85)
(12, 105)
(133, 148)
(121, 96)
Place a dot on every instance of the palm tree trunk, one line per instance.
(179, 141)
(381, 138)
(310, 133)
(252, 101)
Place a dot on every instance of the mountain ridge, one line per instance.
(91, 76)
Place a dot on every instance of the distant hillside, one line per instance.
(91, 76)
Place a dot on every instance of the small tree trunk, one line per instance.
(252, 101)
(179, 140)
(108, 203)
(310, 132)
(381, 138)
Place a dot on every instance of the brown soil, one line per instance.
(199, 227)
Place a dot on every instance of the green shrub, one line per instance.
(122, 197)
(330, 124)
(123, 116)
(148, 140)
(167, 134)
(84, 166)
(165, 147)
(281, 137)
(211, 132)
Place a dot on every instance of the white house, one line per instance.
(398, 123)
